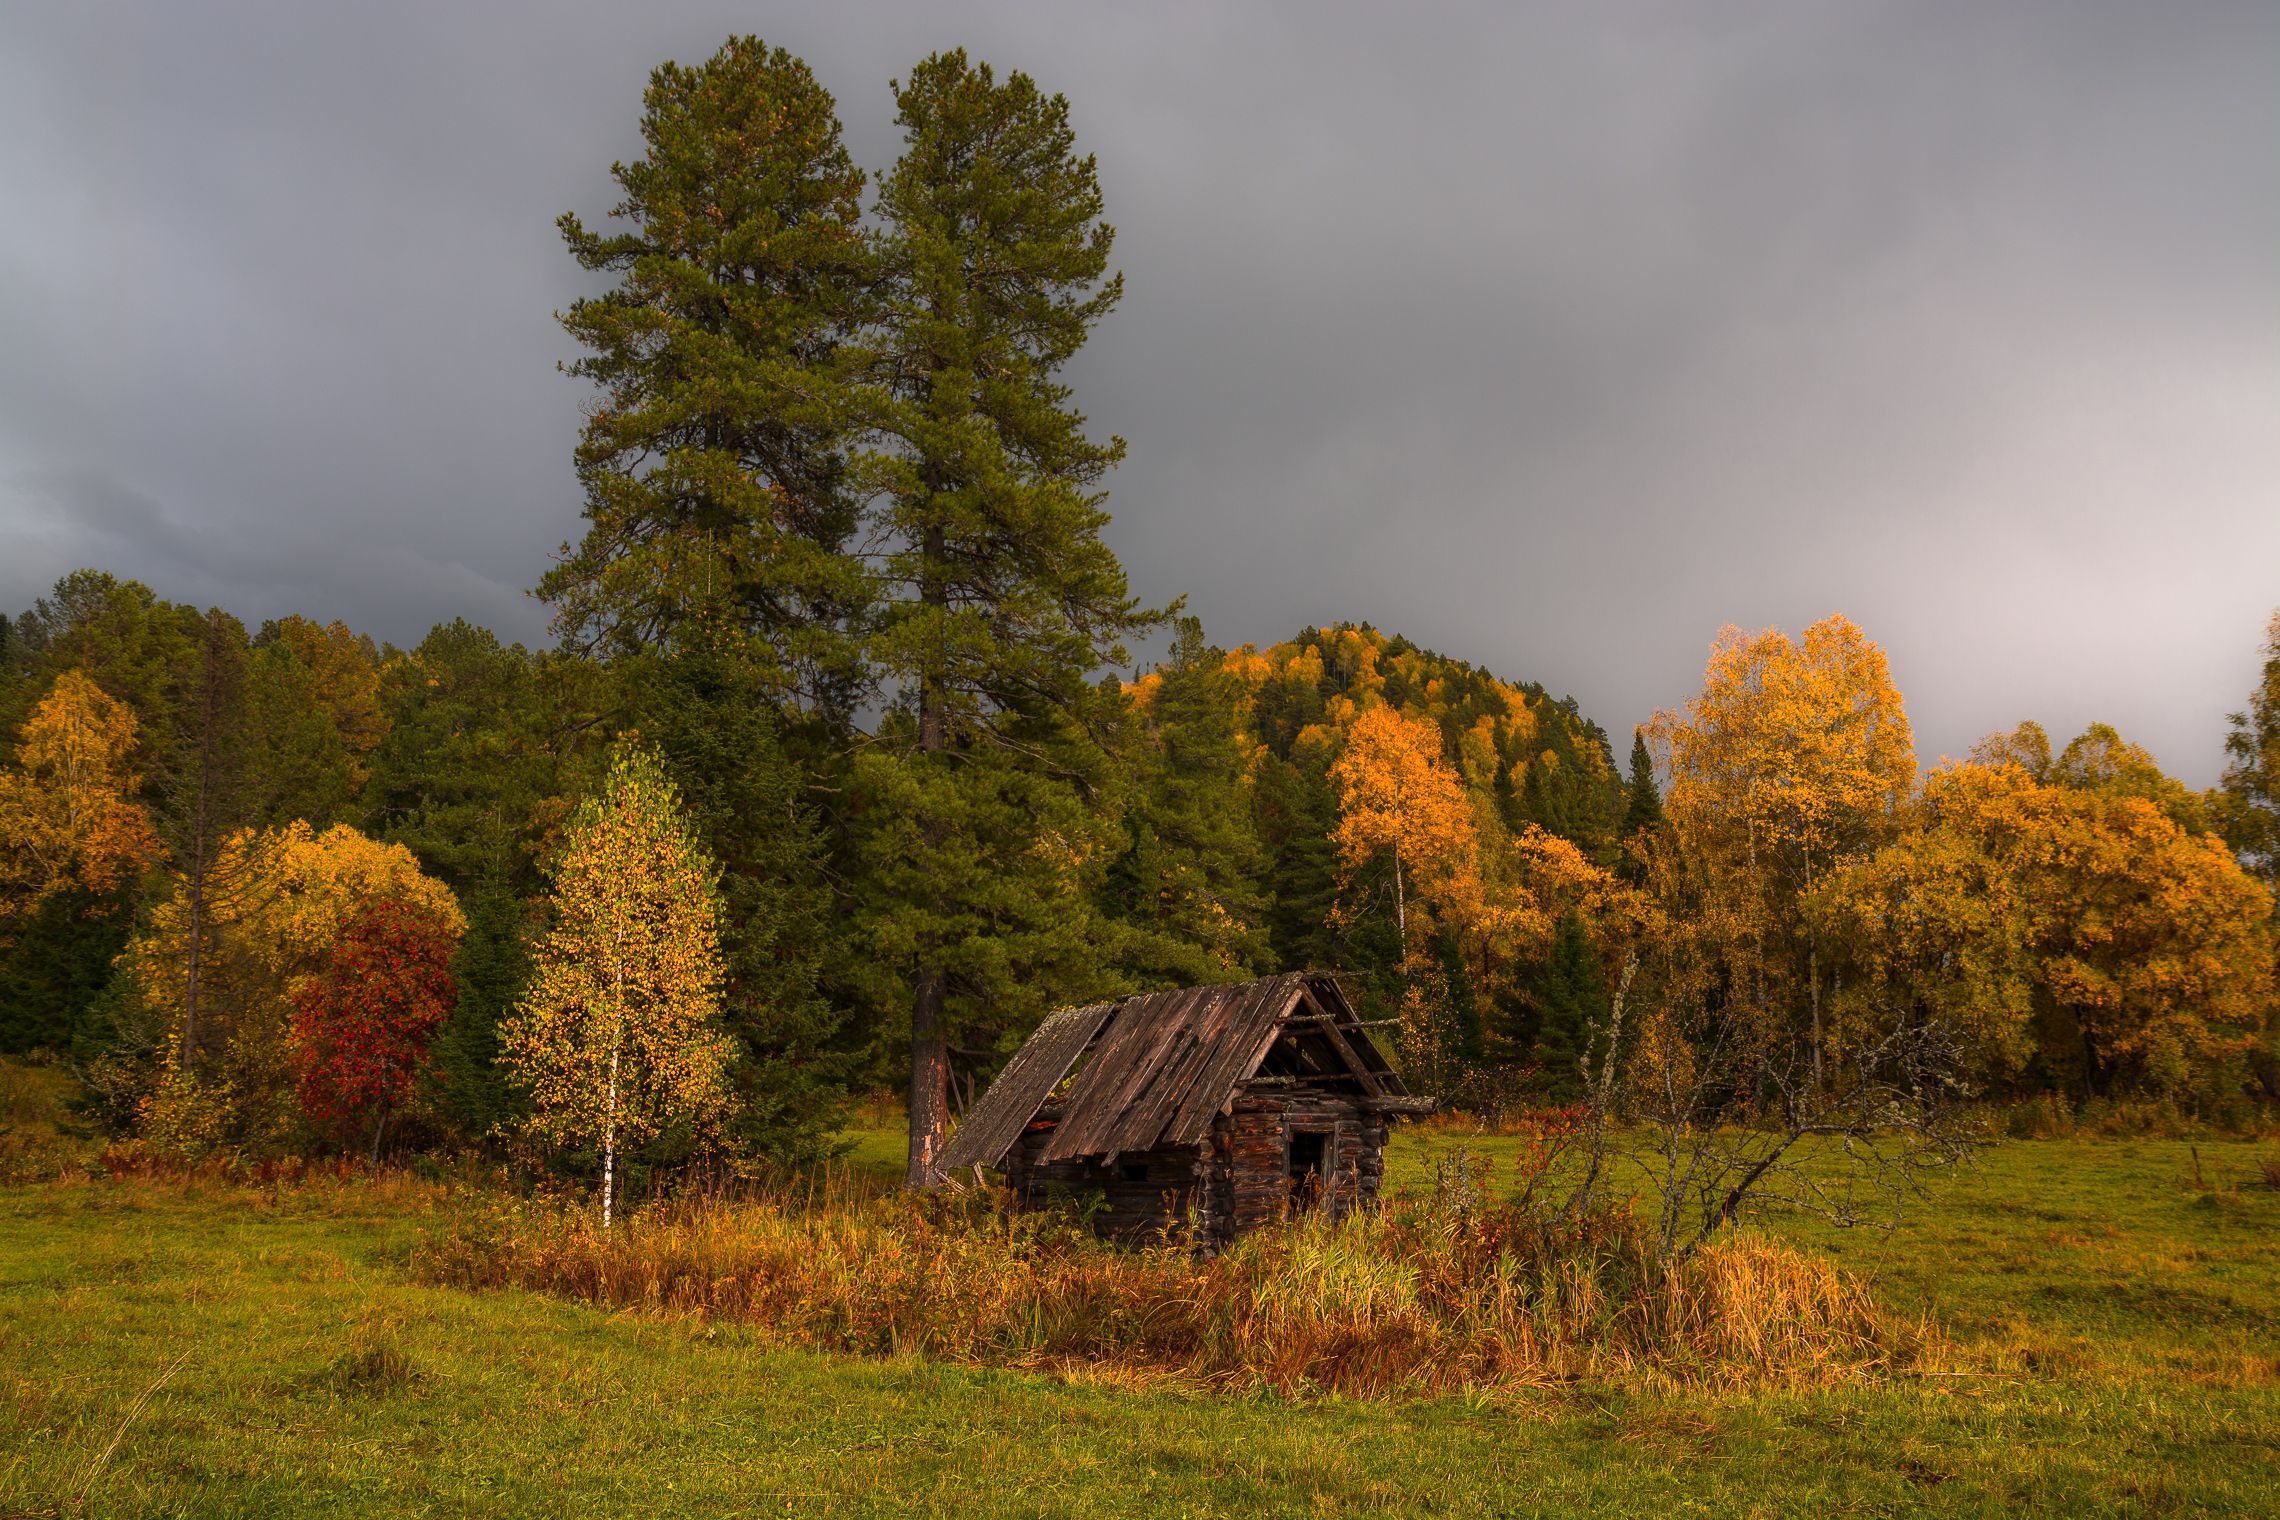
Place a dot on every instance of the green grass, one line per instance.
(2139, 1257)
(2125, 1316)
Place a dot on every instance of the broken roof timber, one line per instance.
(1162, 1066)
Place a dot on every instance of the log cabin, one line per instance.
(1197, 1114)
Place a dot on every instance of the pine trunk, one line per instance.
(929, 1081)
(929, 1054)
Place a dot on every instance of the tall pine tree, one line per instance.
(1002, 598)
(715, 465)
(1642, 811)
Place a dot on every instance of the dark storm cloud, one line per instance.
(1553, 338)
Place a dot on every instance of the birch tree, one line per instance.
(1794, 760)
(1399, 801)
(618, 1035)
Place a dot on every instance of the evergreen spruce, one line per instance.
(715, 465)
(1001, 598)
(467, 1085)
(705, 710)
(1571, 998)
(1191, 884)
(1642, 810)
(2247, 800)
(306, 771)
(54, 965)
(486, 746)
(1298, 813)
(1466, 1033)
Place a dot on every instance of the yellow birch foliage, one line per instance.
(1795, 759)
(68, 810)
(294, 891)
(618, 1034)
(1800, 747)
(1397, 797)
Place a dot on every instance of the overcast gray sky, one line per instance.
(1553, 337)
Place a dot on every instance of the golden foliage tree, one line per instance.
(1795, 759)
(1474, 905)
(1397, 801)
(2068, 918)
(618, 1034)
(69, 810)
(230, 1079)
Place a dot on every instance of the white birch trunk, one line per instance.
(609, 1122)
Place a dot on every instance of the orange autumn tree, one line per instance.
(70, 817)
(1473, 907)
(1399, 803)
(1792, 762)
(1406, 838)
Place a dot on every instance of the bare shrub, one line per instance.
(1700, 1106)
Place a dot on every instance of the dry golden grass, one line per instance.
(1411, 1298)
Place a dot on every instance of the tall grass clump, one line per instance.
(1412, 1297)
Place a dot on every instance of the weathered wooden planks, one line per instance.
(1167, 1062)
(1014, 1098)
(1171, 1121)
(1250, 1032)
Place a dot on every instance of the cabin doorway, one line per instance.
(1305, 1162)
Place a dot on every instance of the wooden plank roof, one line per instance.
(1028, 1079)
(1161, 1066)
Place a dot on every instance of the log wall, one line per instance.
(1139, 1209)
(1237, 1181)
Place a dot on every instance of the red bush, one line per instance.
(362, 1025)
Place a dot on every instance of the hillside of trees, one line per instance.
(838, 669)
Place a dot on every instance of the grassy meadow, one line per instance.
(171, 1347)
